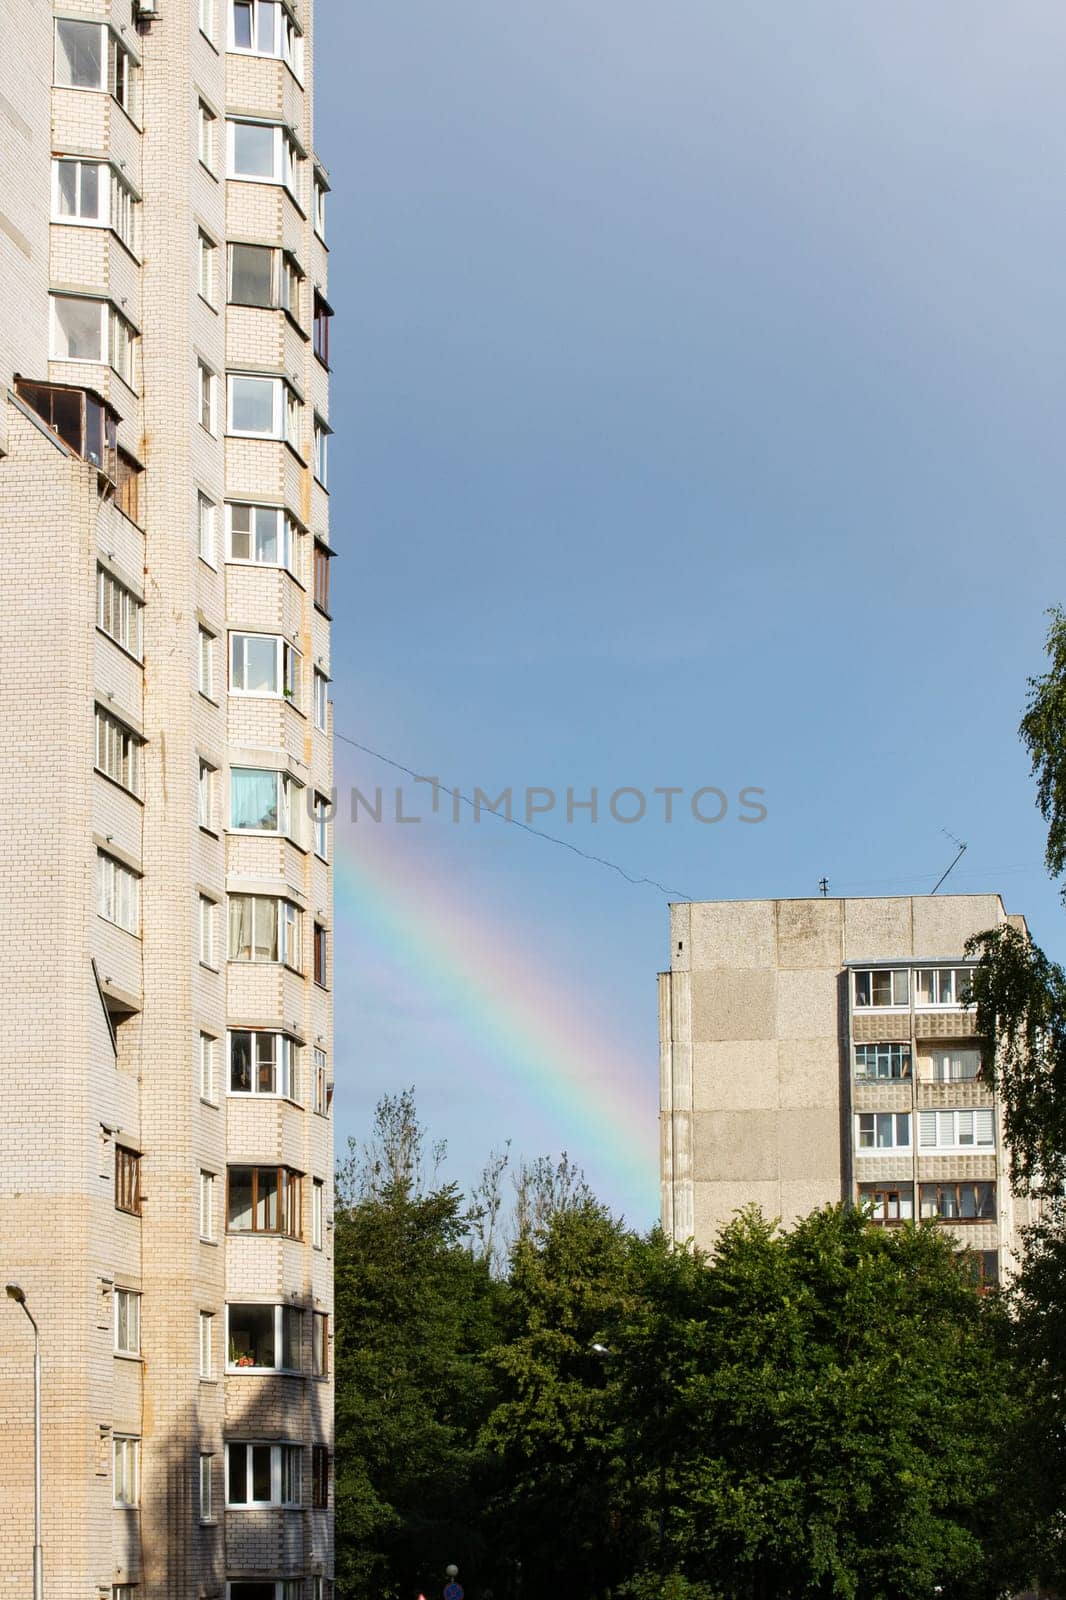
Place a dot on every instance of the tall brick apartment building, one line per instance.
(165, 1187)
(817, 1050)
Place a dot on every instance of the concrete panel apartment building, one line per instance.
(814, 1051)
(165, 1188)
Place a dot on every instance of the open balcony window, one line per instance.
(882, 1062)
(264, 1200)
(263, 800)
(263, 1474)
(262, 1063)
(262, 928)
(261, 535)
(264, 1338)
(262, 664)
(85, 423)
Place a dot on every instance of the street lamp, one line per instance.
(16, 1292)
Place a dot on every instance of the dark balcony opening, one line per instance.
(85, 422)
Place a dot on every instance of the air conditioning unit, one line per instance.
(146, 8)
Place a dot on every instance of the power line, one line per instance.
(538, 833)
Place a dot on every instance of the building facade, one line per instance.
(814, 1051)
(166, 1183)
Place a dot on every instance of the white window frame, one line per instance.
(279, 1311)
(318, 1190)
(286, 668)
(981, 1133)
(208, 920)
(207, 1206)
(320, 451)
(320, 826)
(318, 207)
(206, 796)
(321, 700)
(286, 1066)
(871, 973)
(284, 409)
(102, 219)
(207, 1344)
(288, 806)
(206, 266)
(287, 44)
(131, 1299)
(119, 613)
(118, 893)
(207, 401)
(118, 739)
(284, 156)
(953, 974)
(103, 342)
(208, 1091)
(117, 64)
(320, 1082)
(206, 1488)
(284, 536)
(289, 924)
(900, 1120)
(125, 1470)
(294, 1452)
(205, 135)
(205, 661)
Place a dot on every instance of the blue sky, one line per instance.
(699, 400)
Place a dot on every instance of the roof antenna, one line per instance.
(823, 884)
(958, 858)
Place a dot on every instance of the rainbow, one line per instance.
(536, 1030)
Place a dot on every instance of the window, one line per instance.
(319, 205)
(122, 348)
(207, 931)
(955, 1066)
(941, 986)
(882, 1061)
(206, 120)
(262, 1063)
(884, 1130)
(79, 328)
(317, 1191)
(264, 1200)
(127, 1180)
(127, 1469)
(264, 1338)
(321, 826)
(252, 275)
(79, 191)
(319, 1477)
(118, 893)
(265, 28)
(118, 612)
(88, 56)
(205, 796)
(205, 252)
(260, 534)
(125, 212)
(319, 1344)
(262, 663)
(979, 1268)
(264, 929)
(882, 988)
(118, 751)
(957, 1130)
(127, 1322)
(320, 956)
(128, 487)
(265, 801)
(263, 1474)
(888, 1205)
(207, 1067)
(321, 695)
(323, 313)
(320, 1091)
(206, 1463)
(959, 1202)
(263, 408)
(291, 278)
(205, 663)
(321, 451)
(205, 527)
(207, 1205)
(321, 577)
(207, 1343)
(206, 388)
(262, 152)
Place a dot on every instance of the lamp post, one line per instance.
(18, 1294)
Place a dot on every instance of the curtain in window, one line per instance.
(265, 946)
(253, 798)
(240, 927)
